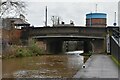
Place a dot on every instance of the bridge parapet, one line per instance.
(81, 31)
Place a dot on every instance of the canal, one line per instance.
(44, 66)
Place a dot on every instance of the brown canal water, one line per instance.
(44, 66)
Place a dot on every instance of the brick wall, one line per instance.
(11, 36)
(96, 22)
(15, 36)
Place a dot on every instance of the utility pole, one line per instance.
(46, 17)
(96, 8)
(115, 20)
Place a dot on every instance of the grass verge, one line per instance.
(115, 60)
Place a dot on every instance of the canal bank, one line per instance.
(99, 66)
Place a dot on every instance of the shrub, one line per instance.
(23, 52)
(34, 48)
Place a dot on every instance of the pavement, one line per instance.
(98, 66)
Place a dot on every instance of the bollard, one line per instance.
(83, 66)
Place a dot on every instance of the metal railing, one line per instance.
(115, 43)
(116, 34)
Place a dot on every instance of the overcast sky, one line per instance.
(75, 10)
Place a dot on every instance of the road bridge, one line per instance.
(94, 37)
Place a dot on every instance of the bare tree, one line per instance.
(55, 20)
(12, 8)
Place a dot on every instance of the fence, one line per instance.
(115, 44)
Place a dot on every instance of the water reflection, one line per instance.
(45, 66)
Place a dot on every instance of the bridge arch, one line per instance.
(98, 46)
(87, 47)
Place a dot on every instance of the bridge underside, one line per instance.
(65, 38)
(54, 44)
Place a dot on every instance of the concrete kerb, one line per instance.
(87, 64)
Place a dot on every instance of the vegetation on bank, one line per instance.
(23, 51)
(29, 51)
(115, 60)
